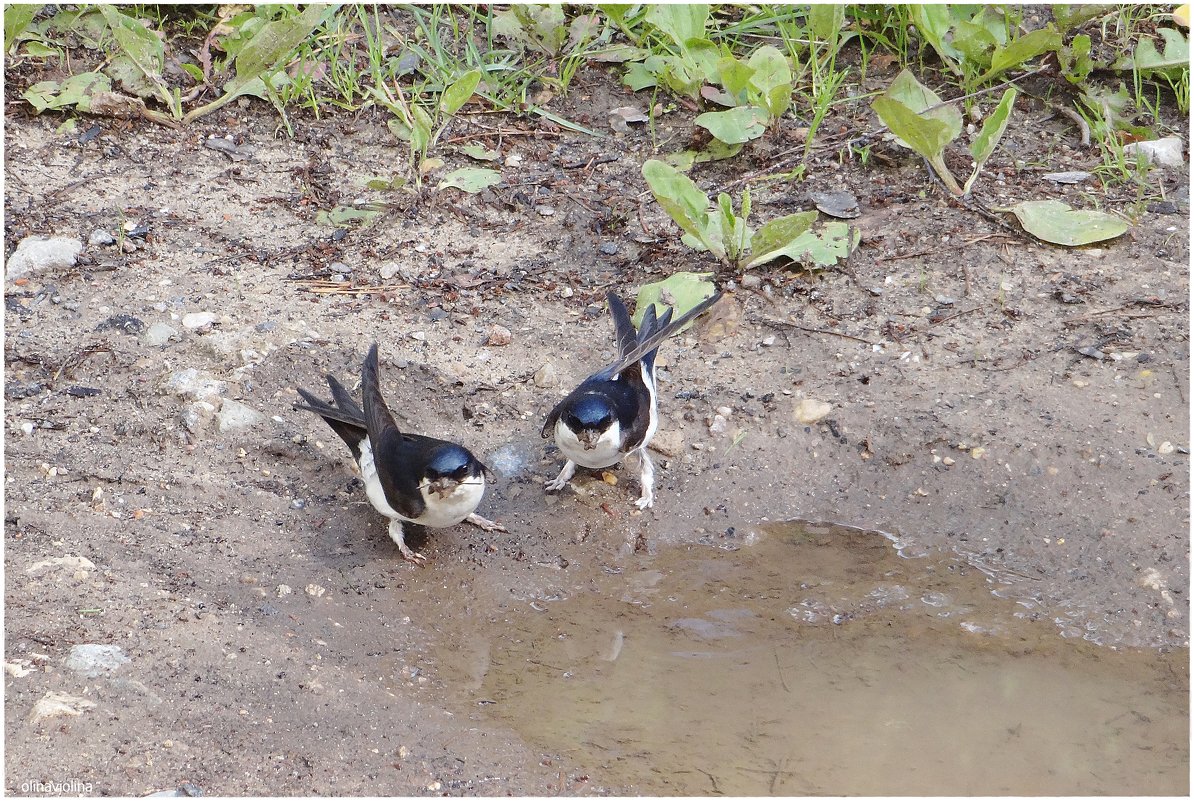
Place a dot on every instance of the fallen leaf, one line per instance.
(471, 179)
(1055, 222)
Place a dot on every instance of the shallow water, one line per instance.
(819, 660)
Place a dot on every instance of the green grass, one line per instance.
(408, 54)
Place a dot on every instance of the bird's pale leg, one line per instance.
(399, 537)
(561, 481)
(647, 480)
(484, 523)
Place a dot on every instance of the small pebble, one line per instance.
(159, 334)
(339, 267)
(100, 237)
(608, 248)
(196, 320)
(810, 411)
(421, 336)
(546, 376)
(499, 336)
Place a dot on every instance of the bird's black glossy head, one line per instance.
(451, 461)
(590, 412)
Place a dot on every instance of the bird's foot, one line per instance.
(399, 538)
(414, 557)
(483, 523)
(645, 502)
(561, 481)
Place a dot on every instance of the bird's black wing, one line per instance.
(623, 327)
(398, 476)
(349, 424)
(664, 327)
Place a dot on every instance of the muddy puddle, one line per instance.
(821, 660)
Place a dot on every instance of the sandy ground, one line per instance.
(1022, 405)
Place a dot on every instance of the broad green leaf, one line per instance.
(1022, 50)
(41, 50)
(1071, 16)
(770, 69)
(17, 17)
(266, 50)
(975, 43)
(826, 21)
(41, 95)
(682, 76)
(1176, 55)
(681, 291)
(138, 68)
(1075, 61)
(837, 240)
(1054, 221)
(420, 135)
(735, 126)
(926, 136)
(777, 234)
(993, 127)
(923, 100)
(194, 70)
(77, 90)
(616, 11)
(618, 54)
(681, 22)
(343, 215)
(471, 179)
(642, 74)
(459, 92)
(479, 152)
(933, 22)
(701, 58)
(735, 78)
(778, 100)
(685, 203)
(716, 150)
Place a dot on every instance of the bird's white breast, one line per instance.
(653, 417)
(373, 489)
(605, 454)
(454, 507)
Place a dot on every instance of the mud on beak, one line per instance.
(589, 438)
(443, 487)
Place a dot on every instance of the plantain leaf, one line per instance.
(925, 135)
(681, 291)
(735, 126)
(837, 240)
(1022, 50)
(993, 127)
(459, 92)
(686, 204)
(265, 52)
(1054, 221)
(777, 233)
(471, 179)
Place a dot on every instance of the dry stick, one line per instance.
(807, 330)
(1077, 120)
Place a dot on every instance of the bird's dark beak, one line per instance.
(589, 438)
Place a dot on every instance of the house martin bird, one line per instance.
(614, 412)
(408, 478)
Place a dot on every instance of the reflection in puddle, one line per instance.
(818, 661)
